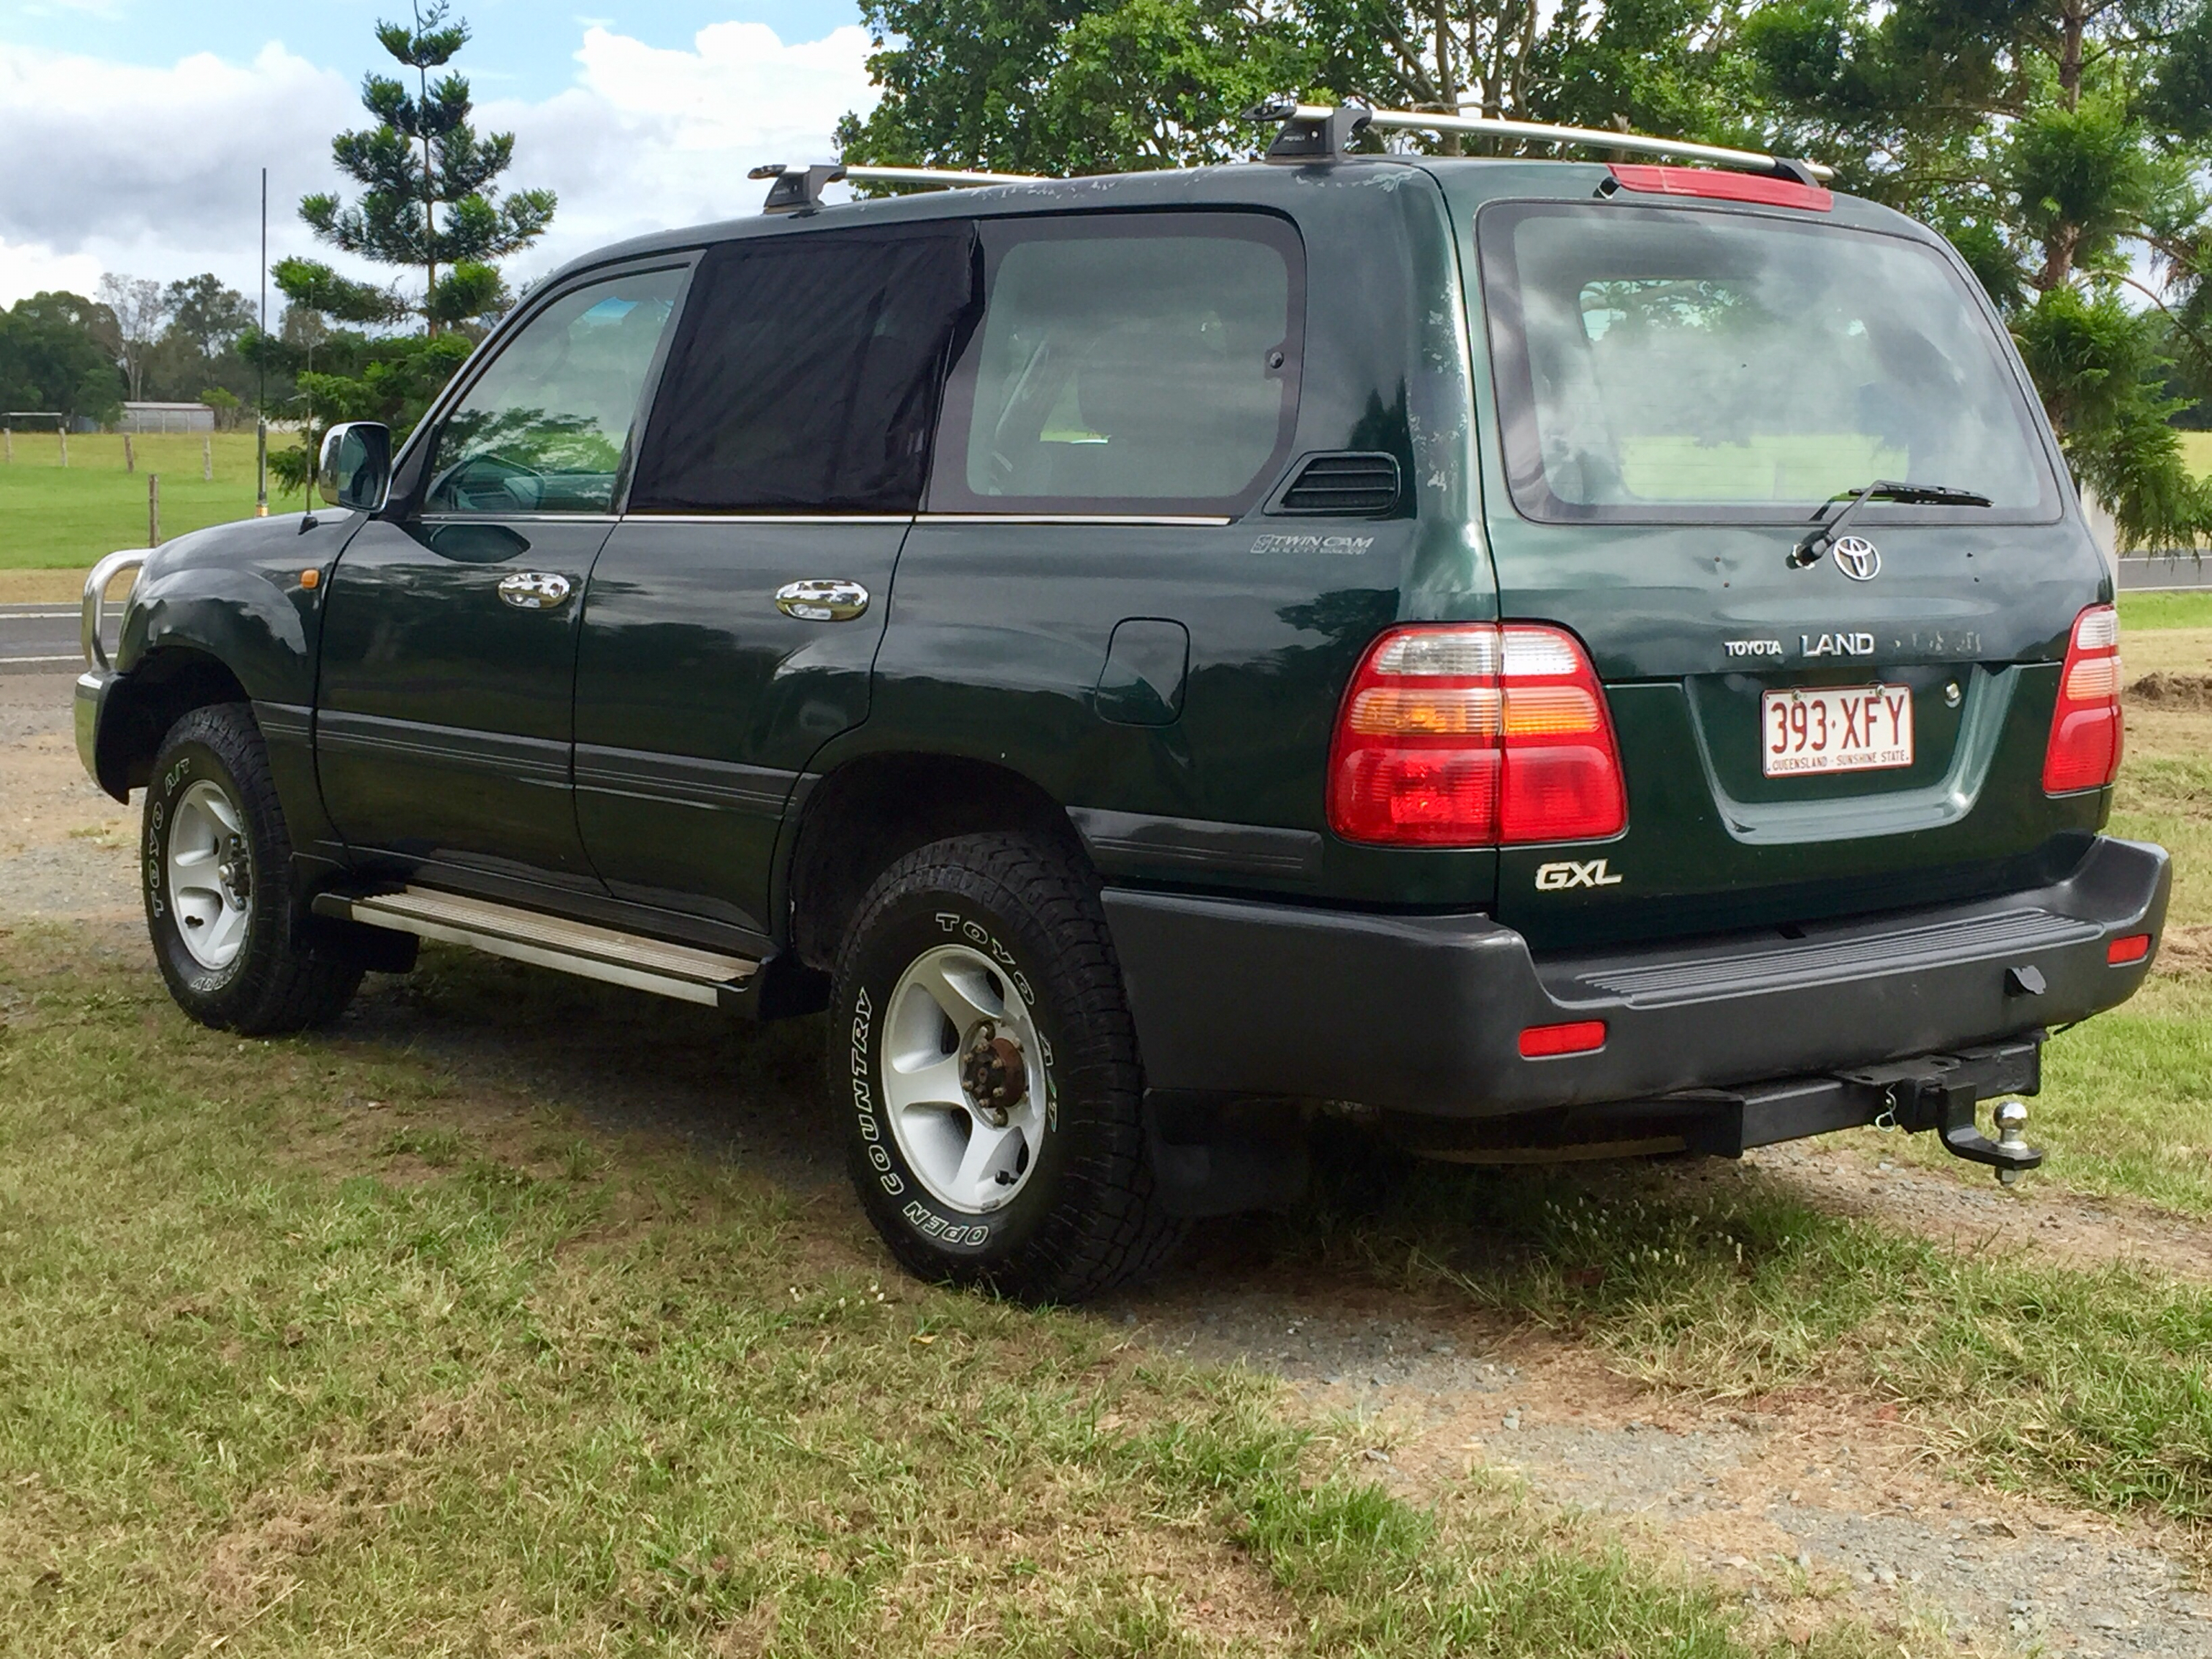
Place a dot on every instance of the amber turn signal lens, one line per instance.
(311, 579)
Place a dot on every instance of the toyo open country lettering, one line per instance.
(854, 607)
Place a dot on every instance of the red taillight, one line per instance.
(1721, 186)
(1580, 1036)
(2133, 948)
(1474, 734)
(2084, 752)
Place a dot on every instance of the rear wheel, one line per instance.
(215, 864)
(986, 1075)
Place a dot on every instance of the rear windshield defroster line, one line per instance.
(1683, 365)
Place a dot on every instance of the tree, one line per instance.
(429, 200)
(1072, 86)
(2061, 144)
(207, 316)
(53, 355)
(138, 309)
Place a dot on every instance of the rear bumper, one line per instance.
(1424, 1014)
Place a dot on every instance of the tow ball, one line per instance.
(1948, 1109)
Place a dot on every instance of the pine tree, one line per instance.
(429, 200)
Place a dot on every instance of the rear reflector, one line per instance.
(1652, 181)
(1580, 1036)
(2122, 951)
(2085, 732)
(1474, 734)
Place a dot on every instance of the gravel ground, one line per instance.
(1809, 1508)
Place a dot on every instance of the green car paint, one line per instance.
(653, 752)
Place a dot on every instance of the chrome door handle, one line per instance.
(821, 599)
(533, 590)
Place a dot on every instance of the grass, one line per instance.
(316, 1347)
(2197, 451)
(53, 517)
(2157, 611)
(2086, 1385)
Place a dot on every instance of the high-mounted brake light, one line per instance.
(1474, 734)
(2086, 731)
(1649, 180)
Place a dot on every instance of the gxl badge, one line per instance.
(1552, 877)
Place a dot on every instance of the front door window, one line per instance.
(546, 427)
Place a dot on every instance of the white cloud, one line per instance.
(156, 171)
(650, 138)
(33, 267)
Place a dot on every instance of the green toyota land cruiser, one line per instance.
(1545, 659)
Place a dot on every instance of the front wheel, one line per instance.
(216, 865)
(986, 1070)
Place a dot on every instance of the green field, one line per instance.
(2197, 448)
(53, 517)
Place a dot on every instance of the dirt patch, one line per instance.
(51, 587)
(248, 1568)
(2183, 951)
(65, 847)
(2165, 690)
(1814, 1505)
(1843, 1178)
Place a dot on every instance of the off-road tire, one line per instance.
(1085, 1218)
(274, 983)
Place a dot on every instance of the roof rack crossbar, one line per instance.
(951, 177)
(799, 189)
(1303, 124)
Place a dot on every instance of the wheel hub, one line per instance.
(993, 1072)
(963, 1083)
(235, 873)
(210, 874)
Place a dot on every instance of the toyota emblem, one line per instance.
(1858, 559)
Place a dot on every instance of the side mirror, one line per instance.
(356, 468)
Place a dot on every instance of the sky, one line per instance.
(136, 130)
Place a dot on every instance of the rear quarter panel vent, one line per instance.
(1351, 485)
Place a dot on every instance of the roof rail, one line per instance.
(1320, 132)
(799, 189)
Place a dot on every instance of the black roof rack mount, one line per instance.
(799, 189)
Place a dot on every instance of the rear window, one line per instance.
(1658, 364)
(803, 374)
(1127, 364)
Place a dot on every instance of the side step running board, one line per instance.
(682, 971)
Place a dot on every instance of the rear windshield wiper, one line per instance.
(1825, 530)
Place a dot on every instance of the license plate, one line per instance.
(1841, 729)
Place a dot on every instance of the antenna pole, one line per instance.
(261, 386)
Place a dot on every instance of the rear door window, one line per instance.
(1658, 363)
(1126, 363)
(804, 373)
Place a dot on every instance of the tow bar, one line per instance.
(1918, 1097)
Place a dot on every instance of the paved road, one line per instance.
(42, 639)
(2184, 574)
